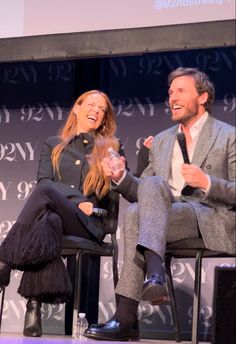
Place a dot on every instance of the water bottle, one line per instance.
(115, 163)
(82, 325)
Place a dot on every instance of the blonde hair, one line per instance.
(104, 137)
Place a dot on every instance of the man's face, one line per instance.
(185, 103)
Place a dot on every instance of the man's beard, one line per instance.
(192, 111)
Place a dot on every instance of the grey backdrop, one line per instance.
(35, 98)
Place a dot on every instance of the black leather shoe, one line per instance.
(154, 290)
(113, 330)
(33, 326)
(5, 272)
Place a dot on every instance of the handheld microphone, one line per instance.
(187, 190)
(182, 143)
(100, 212)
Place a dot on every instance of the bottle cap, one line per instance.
(82, 315)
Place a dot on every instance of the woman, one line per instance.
(70, 184)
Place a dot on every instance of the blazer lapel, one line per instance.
(205, 141)
(166, 158)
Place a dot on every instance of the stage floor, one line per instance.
(14, 338)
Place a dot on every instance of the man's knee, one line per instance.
(131, 215)
(152, 183)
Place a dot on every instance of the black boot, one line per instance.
(33, 326)
(5, 272)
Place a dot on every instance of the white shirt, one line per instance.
(176, 180)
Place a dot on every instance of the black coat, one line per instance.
(73, 168)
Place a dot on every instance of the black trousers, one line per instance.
(44, 199)
(33, 244)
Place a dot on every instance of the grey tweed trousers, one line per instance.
(155, 220)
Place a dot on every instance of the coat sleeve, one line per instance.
(46, 176)
(224, 189)
(129, 186)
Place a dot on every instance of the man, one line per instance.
(176, 200)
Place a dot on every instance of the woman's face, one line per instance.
(90, 114)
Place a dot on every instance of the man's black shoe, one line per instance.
(154, 290)
(5, 272)
(113, 330)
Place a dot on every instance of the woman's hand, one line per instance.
(148, 142)
(86, 207)
(109, 171)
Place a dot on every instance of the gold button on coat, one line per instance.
(85, 142)
(77, 162)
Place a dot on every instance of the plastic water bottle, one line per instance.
(82, 325)
(115, 163)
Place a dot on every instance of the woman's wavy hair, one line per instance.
(202, 83)
(104, 137)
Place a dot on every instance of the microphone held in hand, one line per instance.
(182, 143)
(187, 190)
(100, 212)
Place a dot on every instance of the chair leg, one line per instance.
(77, 292)
(173, 304)
(71, 266)
(115, 263)
(2, 291)
(197, 297)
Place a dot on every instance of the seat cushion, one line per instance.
(72, 244)
(190, 247)
(192, 243)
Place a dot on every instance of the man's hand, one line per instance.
(86, 207)
(194, 176)
(113, 173)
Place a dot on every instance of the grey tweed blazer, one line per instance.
(215, 154)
